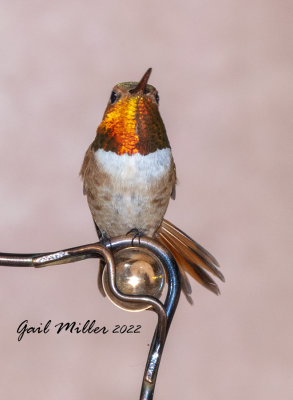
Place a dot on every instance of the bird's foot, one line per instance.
(105, 238)
(136, 234)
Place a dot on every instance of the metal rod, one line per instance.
(97, 250)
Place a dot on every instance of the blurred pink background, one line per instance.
(224, 73)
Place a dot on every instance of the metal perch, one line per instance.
(164, 311)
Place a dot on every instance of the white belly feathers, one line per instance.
(135, 169)
(127, 199)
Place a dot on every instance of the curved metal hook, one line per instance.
(96, 250)
(174, 288)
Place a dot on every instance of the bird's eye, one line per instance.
(113, 97)
(157, 98)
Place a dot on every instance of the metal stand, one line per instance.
(164, 311)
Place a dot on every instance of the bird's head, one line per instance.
(132, 122)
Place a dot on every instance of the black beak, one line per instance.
(142, 83)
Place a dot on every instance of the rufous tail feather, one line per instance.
(191, 257)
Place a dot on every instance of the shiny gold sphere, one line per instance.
(138, 272)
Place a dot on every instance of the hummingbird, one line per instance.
(129, 177)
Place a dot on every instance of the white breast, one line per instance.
(135, 194)
(135, 169)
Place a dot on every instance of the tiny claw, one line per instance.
(136, 234)
(105, 239)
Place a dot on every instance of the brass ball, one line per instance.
(138, 272)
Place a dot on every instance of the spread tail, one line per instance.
(191, 257)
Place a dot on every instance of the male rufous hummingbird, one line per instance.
(129, 177)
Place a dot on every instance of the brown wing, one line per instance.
(173, 193)
(84, 168)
